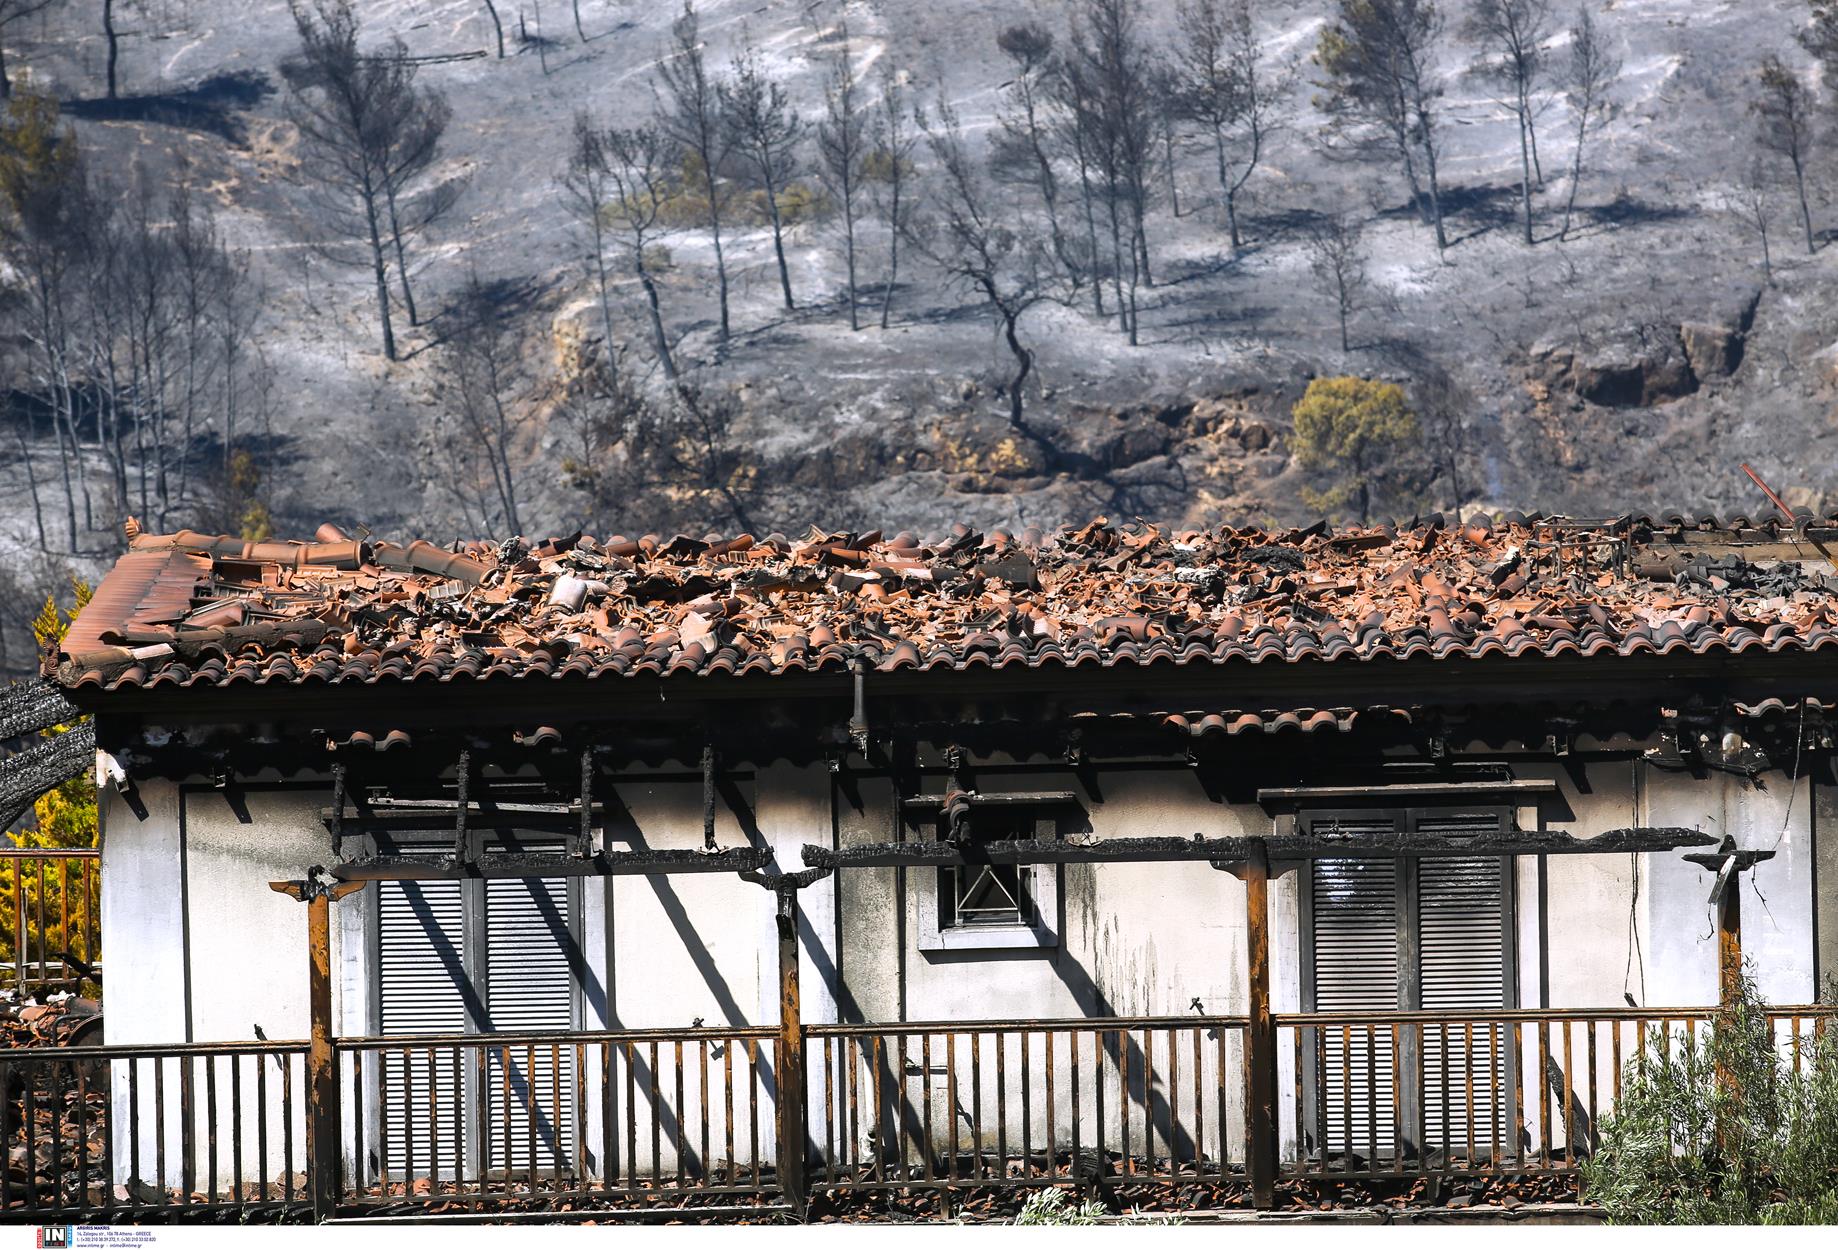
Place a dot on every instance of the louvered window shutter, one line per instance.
(1461, 906)
(423, 988)
(1429, 933)
(530, 1102)
(493, 956)
(1355, 911)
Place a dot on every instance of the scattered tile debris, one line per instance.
(53, 1142)
(191, 609)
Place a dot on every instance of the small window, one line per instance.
(984, 906)
(982, 894)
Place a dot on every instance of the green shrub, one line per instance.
(1049, 1206)
(1720, 1129)
(1362, 430)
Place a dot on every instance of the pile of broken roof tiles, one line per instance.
(192, 609)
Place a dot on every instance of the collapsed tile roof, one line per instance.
(191, 609)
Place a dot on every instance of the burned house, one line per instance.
(739, 866)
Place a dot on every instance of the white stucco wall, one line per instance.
(201, 949)
(211, 955)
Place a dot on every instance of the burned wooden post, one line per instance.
(323, 1133)
(1252, 866)
(1729, 864)
(1729, 944)
(791, 1121)
(1260, 1034)
(1726, 896)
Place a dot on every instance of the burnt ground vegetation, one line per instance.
(996, 261)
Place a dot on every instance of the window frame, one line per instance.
(1405, 821)
(473, 952)
(475, 957)
(1040, 884)
(1410, 933)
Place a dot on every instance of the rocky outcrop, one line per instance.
(1636, 368)
(1646, 364)
(1713, 349)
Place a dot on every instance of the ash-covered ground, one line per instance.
(1631, 366)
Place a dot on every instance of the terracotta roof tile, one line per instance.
(191, 610)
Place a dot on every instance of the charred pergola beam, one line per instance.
(1017, 798)
(1023, 851)
(29, 706)
(1391, 792)
(508, 866)
(42, 767)
(708, 796)
(1230, 852)
(447, 818)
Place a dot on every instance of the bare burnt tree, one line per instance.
(888, 169)
(497, 25)
(360, 119)
(112, 35)
(1074, 131)
(1586, 79)
(46, 231)
(1752, 204)
(962, 232)
(1223, 85)
(481, 380)
(204, 277)
(1378, 90)
(237, 300)
(587, 193)
(1101, 185)
(1109, 76)
(135, 319)
(1511, 35)
(766, 131)
(698, 450)
(1021, 150)
(637, 166)
(419, 119)
(1107, 41)
(689, 111)
(1163, 91)
(1337, 259)
(842, 148)
(672, 462)
(1784, 127)
(608, 463)
(147, 286)
(1443, 403)
(11, 12)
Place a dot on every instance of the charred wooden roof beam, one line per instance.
(1223, 851)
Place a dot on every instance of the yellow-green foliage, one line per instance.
(685, 204)
(799, 202)
(59, 892)
(802, 202)
(879, 166)
(255, 523)
(1357, 427)
(67, 815)
(36, 155)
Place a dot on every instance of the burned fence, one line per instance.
(780, 1113)
(694, 1116)
(50, 919)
